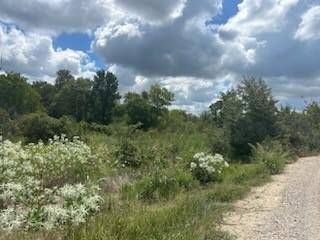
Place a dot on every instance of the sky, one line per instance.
(194, 48)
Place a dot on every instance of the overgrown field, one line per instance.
(78, 164)
(148, 185)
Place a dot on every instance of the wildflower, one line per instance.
(193, 165)
(207, 167)
(25, 170)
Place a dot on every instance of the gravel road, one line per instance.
(288, 208)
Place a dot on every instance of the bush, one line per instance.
(207, 168)
(39, 126)
(127, 154)
(219, 142)
(272, 155)
(7, 126)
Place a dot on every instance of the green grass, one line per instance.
(174, 206)
(190, 215)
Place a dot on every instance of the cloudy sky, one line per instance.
(196, 48)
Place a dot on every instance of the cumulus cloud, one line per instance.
(310, 25)
(172, 42)
(55, 15)
(271, 34)
(156, 12)
(34, 55)
(185, 46)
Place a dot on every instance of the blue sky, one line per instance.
(230, 8)
(78, 41)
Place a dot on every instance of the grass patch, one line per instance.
(190, 215)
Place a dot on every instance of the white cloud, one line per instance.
(156, 12)
(34, 55)
(184, 46)
(169, 42)
(54, 16)
(310, 25)
(255, 17)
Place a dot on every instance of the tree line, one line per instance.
(241, 117)
(94, 101)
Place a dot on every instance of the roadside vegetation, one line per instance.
(80, 162)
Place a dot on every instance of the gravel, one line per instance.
(288, 208)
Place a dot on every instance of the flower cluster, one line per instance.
(208, 168)
(34, 189)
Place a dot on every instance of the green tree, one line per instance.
(140, 111)
(39, 126)
(159, 97)
(104, 97)
(64, 76)
(17, 96)
(247, 115)
(294, 129)
(226, 114)
(259, 119)
(72, 99)
(228, 109)
(312, 113)
(46, 91)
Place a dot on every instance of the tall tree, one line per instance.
(72, 99)
(160, 97)
(63, 76)
(139, 110)
(17, 96)
(247, 115)
(228, 109)
(104, 97)
(260, 115)
(46, 91)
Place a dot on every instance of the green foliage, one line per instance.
(218, 141)
(227, 110)
(127, 154)
(64, 77)
(39, 126)
(139, 111)
(158, 158)
(36, 190)
(247, 174)
(17, 96)
(149, 107)
(272, 155)
(248, 115)
(6, 124)
(163, 184)
(259, 121)
(46, 91)
(104, 96)
(208, 168)
(72, 99)
(160, 97)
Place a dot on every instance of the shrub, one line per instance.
(39, 126)
(207, 168)
(127, 154)
(7, 126)
(35, 184)
(219, 142)
(272, 155)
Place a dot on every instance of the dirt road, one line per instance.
(288, 208)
